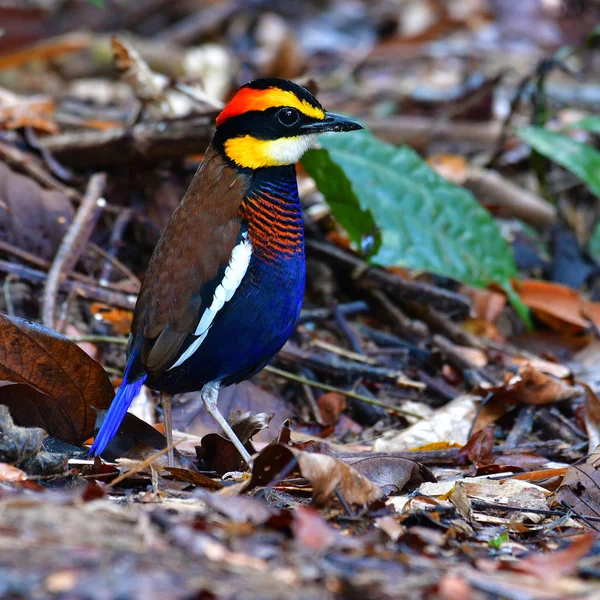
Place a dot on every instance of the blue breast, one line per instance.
(262, 314)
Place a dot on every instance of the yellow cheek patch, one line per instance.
(251, 153)
(249, 99)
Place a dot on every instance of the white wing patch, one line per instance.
(234, 273)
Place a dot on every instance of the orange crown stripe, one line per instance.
(248, 99)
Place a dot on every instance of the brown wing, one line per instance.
(196, 243)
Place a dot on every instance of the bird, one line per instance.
(225, 284)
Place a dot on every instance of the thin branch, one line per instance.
(73, 244)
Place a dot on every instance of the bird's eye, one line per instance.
(288, 116)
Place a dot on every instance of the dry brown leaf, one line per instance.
(327, 474)
(148, 86)
(331, 406)
(62, 383)
(478, 449)
(119, 319)
(551, 565)
(33, 111)
(31, 217)
(11, 473)
(314, 532)
(530, 386)
(559, 306)
(580, 487)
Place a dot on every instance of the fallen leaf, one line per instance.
(217, 453)
(32, 218)
(580, 490)
(314, 532)
(11, 473)
(239, 509)
(450, 423)
(391, 473)
(478, 449)
(195, 477)
(558, 306)
(530, 386)
(66, 383)
(325, 474)
(22, 447)
(328, 475)
(118, 319)
(552, 565)
(31, 111)
(592, 417)
(331, 406)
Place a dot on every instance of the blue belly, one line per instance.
(249, 330)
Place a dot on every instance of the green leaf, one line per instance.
(497, 542)
(424, 221)
(98, 3)
(580, 159)
(591, 123)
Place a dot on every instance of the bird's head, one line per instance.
(272, 122)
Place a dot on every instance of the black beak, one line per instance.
(332, 122)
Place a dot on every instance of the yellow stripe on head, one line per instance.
(252, 153)
(250, 99)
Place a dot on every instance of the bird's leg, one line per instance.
(167, 401)
(210, 395)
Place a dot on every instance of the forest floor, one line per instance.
(432, 429)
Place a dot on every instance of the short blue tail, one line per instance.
(116, 413)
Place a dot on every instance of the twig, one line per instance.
(73, 244)
(149, 140)
(320, 314)
(343, 352)
(350, 335)
(98, 339)
(29, 165)
(405, 289)
(110, 259)
(116, 236)
(44, 264)
(515, 200)
(93, 292)
(141, 466)
(331, 388)
(333, 364)
(404, 325)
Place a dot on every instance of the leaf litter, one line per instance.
(415, 430)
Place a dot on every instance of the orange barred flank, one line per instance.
(273, 230)
(248, 99)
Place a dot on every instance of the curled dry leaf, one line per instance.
(31, 217)
(558, 306)
(580, 488)
(327, 474)
(18, 445)
(478, 449)
(530, 386)
(331, 406)
(33, 111)
(11, 473)
(148, 86)
(218, 453)
(391, 473)
(65, 384)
